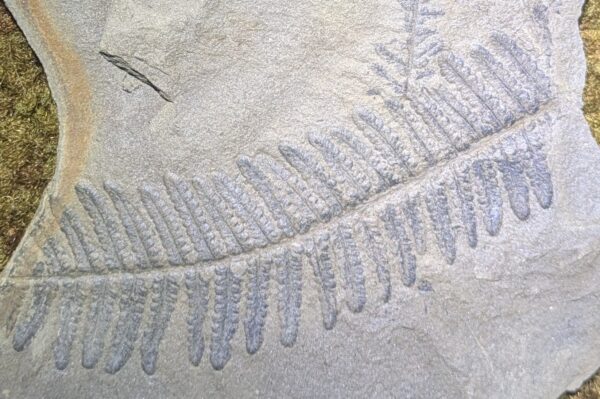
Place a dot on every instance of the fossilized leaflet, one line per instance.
(276, 184)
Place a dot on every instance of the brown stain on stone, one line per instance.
(74, 93)
(76, 120)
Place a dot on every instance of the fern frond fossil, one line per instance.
(411, 59)
(427, 169)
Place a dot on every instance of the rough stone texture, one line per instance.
(323, 199)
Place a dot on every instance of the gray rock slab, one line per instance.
(312, 199)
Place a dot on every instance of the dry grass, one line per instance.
(590, 31)
(29, 132)
(589, 390)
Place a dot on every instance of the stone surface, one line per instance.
(322, 199)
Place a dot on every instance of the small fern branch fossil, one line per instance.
(131, 311)
(42, 296)
(164, 299)
(410, 61)
(256, 303)
(105, 225)
(289, 276)
(70, 314)
(197, 294)
(144, 245)
(226, 315)
(98, 321)
(349, 256)
(321, 259)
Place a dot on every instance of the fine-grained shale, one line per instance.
(218, 225)
(412, 218)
